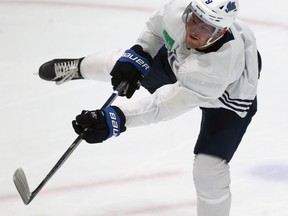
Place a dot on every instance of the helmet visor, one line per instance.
(192, 16)
(200, 27)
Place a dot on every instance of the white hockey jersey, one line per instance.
(226, 77)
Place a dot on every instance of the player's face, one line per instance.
(197, 32)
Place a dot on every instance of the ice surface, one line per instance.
(148, 170)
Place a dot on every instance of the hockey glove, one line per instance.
(133, 66)
(100, 125)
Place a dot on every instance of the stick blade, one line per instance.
(21, 184)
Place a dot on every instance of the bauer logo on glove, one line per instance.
(141, 63)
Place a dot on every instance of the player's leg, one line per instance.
(96, 67)
(99, 65)
(212, 180)
(220, 135)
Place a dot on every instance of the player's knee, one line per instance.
(211, 178)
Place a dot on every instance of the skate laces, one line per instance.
(66, 71)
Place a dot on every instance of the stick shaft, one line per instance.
(61, 161)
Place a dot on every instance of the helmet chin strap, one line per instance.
(211, 40)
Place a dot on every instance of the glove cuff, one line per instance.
(137, 57)
(116, 120)
(139, 50)
(121, 115)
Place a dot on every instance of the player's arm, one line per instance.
(195, 87)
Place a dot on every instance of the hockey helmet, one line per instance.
(218, 13)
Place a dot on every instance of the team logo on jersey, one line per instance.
(209, 1)
(169, 42)
(230, 7)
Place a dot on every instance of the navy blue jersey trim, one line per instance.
(237, 100)
(238, 105)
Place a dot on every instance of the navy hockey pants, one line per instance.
(221, 129)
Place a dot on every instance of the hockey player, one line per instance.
(190, 54)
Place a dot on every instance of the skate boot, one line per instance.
(61, 70)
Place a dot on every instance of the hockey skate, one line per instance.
(61, 70)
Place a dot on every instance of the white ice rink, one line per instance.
(147, 171)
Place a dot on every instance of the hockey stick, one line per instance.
(19, 177)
